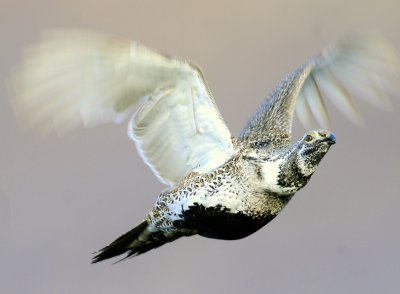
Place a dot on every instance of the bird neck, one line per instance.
(281, 173)
(293, 175)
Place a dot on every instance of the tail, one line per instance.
(137, 241)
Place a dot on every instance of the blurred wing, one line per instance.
(179, 130)
(76, 77)
(364, 67)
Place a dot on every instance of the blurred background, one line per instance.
(63, 198)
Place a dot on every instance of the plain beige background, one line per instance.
(63, 198)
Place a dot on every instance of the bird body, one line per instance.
(219, 186)
(230, 202)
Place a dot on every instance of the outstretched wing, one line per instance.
(76, 77)
(358, 67)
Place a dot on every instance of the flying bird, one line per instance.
(219, 186)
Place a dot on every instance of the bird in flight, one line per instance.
(219, 186)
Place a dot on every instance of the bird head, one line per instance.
(312, 148)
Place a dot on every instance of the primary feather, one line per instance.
(80, 77)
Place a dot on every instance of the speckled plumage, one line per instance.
(219, 187)
(232, 201)
(228, 189)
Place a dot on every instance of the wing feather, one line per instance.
(365, 67)
(184, 122)
(303, 111)
(76, 77)
(331, 89)
(315, 101)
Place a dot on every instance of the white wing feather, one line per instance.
(177, 133)
(76, 77)
(365, 67)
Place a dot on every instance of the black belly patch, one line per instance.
(219, 223)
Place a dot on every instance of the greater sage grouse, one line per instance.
(219, 186)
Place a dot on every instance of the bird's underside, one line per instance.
(219, 187)
(223, 204)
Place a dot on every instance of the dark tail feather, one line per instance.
(120, 245)
(132, 244)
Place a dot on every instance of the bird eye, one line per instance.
(308, 138)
